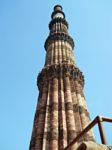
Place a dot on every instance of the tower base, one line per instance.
(93, 146)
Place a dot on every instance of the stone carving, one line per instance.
(56, 20)
(59, 36)
(55, 70)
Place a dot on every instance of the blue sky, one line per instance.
(23, 30)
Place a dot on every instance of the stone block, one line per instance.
(93, 146)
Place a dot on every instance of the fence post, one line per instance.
(101, 130)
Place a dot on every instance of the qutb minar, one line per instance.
(61, 112)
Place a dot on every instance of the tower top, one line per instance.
(58, 27)
(57, 7)
(58, 13)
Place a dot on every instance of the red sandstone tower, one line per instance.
(61, 112)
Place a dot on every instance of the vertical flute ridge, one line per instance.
(47, 122)
(41, 118)
(54, 115)
(62, 117)
(71, 130)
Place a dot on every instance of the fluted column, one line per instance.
(71, 129)
(76, 110)
(52, 52)
(84, 114)
(63, 51)
(33, 138)
(72, 57)
(62, 116)
(59, 52)
(41, 118)
(54, 115)
(66, 51)
(56, 52)
(47, 123)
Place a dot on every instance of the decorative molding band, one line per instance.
(59, 36)
(59, 70)
(58, 20)
(57, 11)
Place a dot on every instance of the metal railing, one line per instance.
(98, 120)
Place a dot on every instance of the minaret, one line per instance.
(61, 112)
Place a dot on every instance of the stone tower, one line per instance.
(61, 112)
